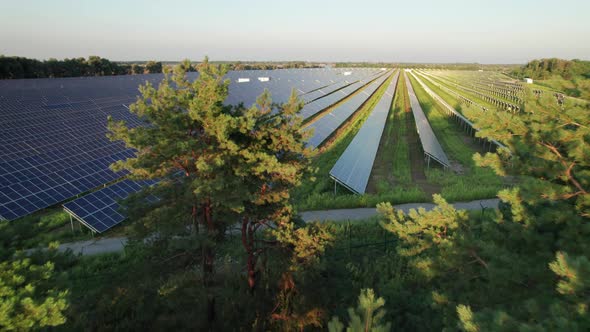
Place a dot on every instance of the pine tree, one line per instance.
(367, 317)
(543, 228)
(432, 239)
(29, 299)
(219, 166)
(526, 266)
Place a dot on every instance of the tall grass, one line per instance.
(37, 230)
(401, 169)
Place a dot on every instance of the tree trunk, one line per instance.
(208, 262)
(211, 309)
(248, 243)
(208, 268)
(251, 271)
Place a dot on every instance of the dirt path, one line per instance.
(117, 244)
(365, 213)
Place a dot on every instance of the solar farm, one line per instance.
(55, 151)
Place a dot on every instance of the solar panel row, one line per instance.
(334, 95)
(281, 83)
(53, 130)
(100, 210)
(430, 144)
(327, 124)
(350, 79)
(450, 110)
(354, 166)
(39, 192)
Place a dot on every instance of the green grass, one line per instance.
(449, 98)
(578, 87)
(344, 200)
(401, 169)
(40, 229)
(474, 182)
(392, 163)
(464, 93)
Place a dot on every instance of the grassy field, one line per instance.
(578, 87)
(452, 100)
(468, 181)
(464, 93)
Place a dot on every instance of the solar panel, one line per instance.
(282, 82)
(46, 159)
(334, 95)
(100, 210)
(430, 144)
(354, 166)
(343, 82)
(327, 124)
(52, 131)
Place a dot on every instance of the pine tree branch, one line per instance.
(569, 168)
(478, 259)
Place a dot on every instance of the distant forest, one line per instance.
(450, 66)
(571, 77)
(13, 67)
(21, 67)
(548, 68)
(271, 65)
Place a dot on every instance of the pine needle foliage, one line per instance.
(366, 317)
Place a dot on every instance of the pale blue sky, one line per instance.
(492, 31)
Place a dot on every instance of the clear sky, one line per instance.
(491, 31)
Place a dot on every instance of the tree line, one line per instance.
(239, 65)
(14, 67)
(449, 66)
(546, 68)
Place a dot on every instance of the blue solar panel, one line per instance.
(430, 144)
(100, 210)
(354, 166)
(328, 123)
(52, 131)
(335, 94)
(282, 82)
